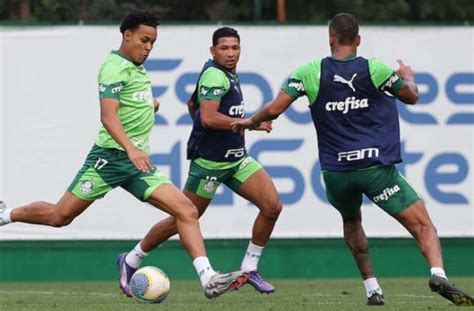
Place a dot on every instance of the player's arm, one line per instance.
(212, 87)
(191, 108)
(274, 109)
(211, 117)
(270, 112)
(192, 104)
(408, 93)
(109, 118)
(156, 104)
(293, 89)
(400, 83)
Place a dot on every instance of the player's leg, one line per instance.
(88, 185)
(357, 242)
(397, 197)
(343, 194)
(158, 234)
(161, 193)
(417, 221)
(44, 213)
(169, 199)
(166, 228)
(260, 190)
(163, 230)
(253, 183)
(172, 201)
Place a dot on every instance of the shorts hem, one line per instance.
(84, 198)
(150, 190)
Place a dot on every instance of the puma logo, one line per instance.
(340, 79)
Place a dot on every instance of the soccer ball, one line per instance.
(150, 284)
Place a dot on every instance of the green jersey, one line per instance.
(121, 79)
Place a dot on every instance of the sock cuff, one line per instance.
(138, 249)
(439, 272)
(201, 260)
(372, 286)
(255, 248)
(371, 282)
(203, 269)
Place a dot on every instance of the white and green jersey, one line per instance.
(120, 79)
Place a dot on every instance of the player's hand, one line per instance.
(241, 125)
(156, 104)
(265, 126)
(141, 160)
(405, 72)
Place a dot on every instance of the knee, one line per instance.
(60, 220)
(187, 211)
(57, 217)
(354, 221)
(271, 210)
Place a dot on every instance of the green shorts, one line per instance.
(204, 181)
(384, 185)
(107, 168)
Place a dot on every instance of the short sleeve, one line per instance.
(111, 81)
(383, 77)
(213, 85)
(304, 81)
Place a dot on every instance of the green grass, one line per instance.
(336, 294)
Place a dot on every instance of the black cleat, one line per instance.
(375, 300)
(448, 291)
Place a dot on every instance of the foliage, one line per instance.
(297, 11)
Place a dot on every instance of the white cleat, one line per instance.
(223, 283)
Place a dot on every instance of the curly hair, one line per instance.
(137, 18)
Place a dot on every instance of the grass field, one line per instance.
(346, 294)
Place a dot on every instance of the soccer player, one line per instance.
(218, 155)
(120, 155)
(352, 103)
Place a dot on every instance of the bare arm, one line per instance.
(211, 117)
(273, 110)
(156, 105)
(408, 94)
(191, 108)
(270, 112)
(111, 122)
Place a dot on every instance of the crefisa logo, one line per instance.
(386, 194)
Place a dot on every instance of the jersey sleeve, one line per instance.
(213, 85)
(304, 81)
(111, 81)
(383, 77)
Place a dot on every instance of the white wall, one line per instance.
(49, 119)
